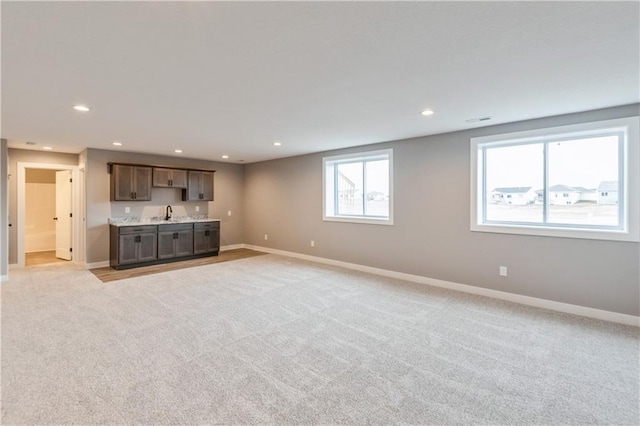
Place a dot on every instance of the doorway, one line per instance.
(49, 229)
(47, 221)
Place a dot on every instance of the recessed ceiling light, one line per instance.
(81, 108)
(178, 151)
(225, 156)
(47, 148)
(117, 143)
(277, 144)
(427, 112)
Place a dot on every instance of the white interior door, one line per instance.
(63, 214)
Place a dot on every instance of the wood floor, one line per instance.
(41, 258)
(109, 274)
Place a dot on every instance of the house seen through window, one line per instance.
(570, 180)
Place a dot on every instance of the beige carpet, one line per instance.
(274, 340)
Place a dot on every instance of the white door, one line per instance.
(63, 214)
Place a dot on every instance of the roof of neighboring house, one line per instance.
(583, 189)
(563, 188)
(513, 189)
(349, 181)
(608, 185)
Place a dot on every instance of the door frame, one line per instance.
(77, 229)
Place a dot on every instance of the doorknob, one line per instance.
(55, 218)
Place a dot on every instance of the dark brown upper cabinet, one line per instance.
(169, 178)
(130, 183)
(199, 186)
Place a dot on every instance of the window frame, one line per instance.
(629, 181)
(362, 157)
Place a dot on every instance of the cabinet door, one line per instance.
(161, 177)
(178, 178)
(166, 248)
(122, 182)
(207, 186)
(147, 247)
(214, 239)
(193, 186)
(169, 178)
(127, 249)
(184, 243)
(142, 182)
(200, 241)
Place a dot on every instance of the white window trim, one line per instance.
(630, 228)
(358, 219)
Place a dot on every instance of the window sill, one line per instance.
(565, 232)
(349, 219)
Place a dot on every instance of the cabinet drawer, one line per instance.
(137, 229)
(175, 227)
(206, 225)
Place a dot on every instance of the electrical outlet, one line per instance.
(503, 271)
(228, 212)
(127, 209)
(197, 208)
(266, 237)
(313, 243)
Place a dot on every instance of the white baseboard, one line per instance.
(231, 247)
(95, 265)
(511, 297)
(4, 278)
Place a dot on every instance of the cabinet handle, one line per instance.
(206, 233)
(170, 182)
(175, 235)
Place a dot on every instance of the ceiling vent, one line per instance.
(476, 120)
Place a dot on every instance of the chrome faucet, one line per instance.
(169, 211)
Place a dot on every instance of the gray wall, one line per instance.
(27, 156)
(4, 209)
(228, 187)
(431, 236)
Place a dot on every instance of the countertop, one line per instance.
(143, 222)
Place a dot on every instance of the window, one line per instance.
(577, 181)
(358, 187)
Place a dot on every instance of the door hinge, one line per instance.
(70, 214)
(70, 180)
(70, 249)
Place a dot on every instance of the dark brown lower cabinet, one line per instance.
(133, 246)
(175, 240)
(206, 237)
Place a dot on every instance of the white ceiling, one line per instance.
(216, 78)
